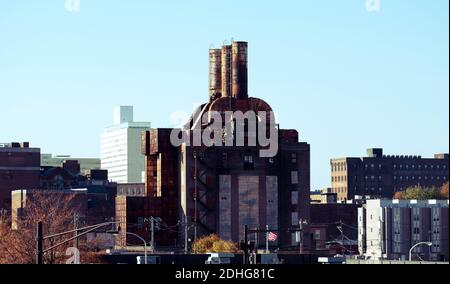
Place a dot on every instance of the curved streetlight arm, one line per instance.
(416, 245)
(145, 244)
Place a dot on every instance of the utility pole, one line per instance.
(185, 235)
(383, 242)
(152, 230)
(75, 224)
(195, 196)
(300, 222)
(256, 240)
(267, 238)
(245, 244)
(39, 245)
(342, 236)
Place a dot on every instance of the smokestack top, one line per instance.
(239, 70)
(226, 70)
(242, 43)
(228, 66)
(215, 74)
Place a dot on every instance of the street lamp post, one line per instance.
(145, 244)
(416, 245)
(301, 222)
(134, 235)
(195, 196)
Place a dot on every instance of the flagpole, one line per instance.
(267, 238)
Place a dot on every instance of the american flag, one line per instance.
(272, 237)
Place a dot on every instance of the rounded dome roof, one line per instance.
(233, 104)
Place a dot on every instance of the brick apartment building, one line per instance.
(380, 176)
(19, 168)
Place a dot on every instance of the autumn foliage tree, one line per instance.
(423, 193)
(213, 243)
(56, 211)
(444, 191)
(399, 195)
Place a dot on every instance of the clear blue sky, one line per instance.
(345, 78)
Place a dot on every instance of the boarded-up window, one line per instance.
(294, 197)
(294, 218)
(294, 177)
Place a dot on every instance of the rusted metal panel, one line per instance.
(159, 141)
(145, 143)
(272, 201)
(225, 207)
(248, 203)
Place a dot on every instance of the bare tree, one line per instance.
(55, 210)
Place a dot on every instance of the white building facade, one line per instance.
(121, 147)
(388, 229)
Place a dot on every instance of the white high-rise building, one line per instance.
(121, 147)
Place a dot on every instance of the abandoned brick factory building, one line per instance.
(199, 189)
